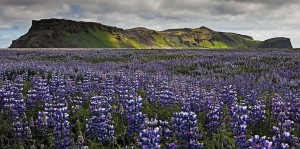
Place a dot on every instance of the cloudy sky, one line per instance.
(262, 19)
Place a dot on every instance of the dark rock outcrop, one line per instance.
(69, 26)
(276, 43)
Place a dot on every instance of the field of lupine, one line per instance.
(168, 99)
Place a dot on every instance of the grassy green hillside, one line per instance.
(89, 40)
(70, 34)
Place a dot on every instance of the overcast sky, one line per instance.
(262, 19)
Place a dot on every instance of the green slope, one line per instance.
(57, 33)
(98, 39)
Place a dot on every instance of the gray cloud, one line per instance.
(251, 16)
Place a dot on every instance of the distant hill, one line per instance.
(279, 42)
(60, 33)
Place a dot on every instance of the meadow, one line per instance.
(168, 99)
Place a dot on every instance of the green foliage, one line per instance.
(83, 114)
(186, 70)
(120, 128)
(34, 111)
(94, 144)
(27, 87)
(160, 41)
(214, 44)
(219, 45)
(152, 57)
(273, 60)
(52, 58)
(106, 59)
(251, 69)
(205, 44)
(211, 66)
(92, 39)
(132, 42)
(5, 126)
(142, 94)
(219, 140)
(158, 112)
(175, 42)
(240, 98)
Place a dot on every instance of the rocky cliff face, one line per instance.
(279, 43)
(69, 26)
(60, 33)
(47, 33)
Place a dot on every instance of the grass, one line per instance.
(133, 43)
(211, 66)
(175, 42)
(160, 41)
(215, 45)
(52, 58)
(251, 69)
(165, 57)
(161, 113)
(219, 45)
(104, 39)
(185, 70)
(97, 39)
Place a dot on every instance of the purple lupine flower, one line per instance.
(100, 126)
(239, 123)
(135, 118)
(61, 131)
(184, 127)
(214, 118)
(150, 138)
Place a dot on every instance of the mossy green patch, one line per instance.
(106, 38)
(176, 42)
(133, 43)
(214, 44)
(219, 45)
(92, 39)
(160, 41)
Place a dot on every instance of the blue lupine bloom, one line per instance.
(100, 126)
(239, 123)
(184, 127)
(214, 118)
(18, 129)
(61, 131)
(42, 123)
(135, 118)
(150, 138)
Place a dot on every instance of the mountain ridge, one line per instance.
(61, 33)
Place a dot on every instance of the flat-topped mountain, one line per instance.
(60, 33)
(279, 42)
